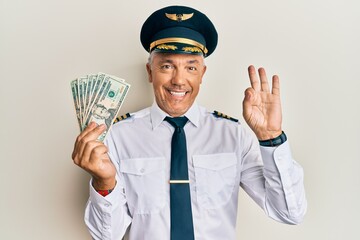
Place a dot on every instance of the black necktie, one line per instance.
(180, 202)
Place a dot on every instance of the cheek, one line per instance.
(158, 91)
(196, 86)
(158, 83)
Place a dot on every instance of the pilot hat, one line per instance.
(179, 29)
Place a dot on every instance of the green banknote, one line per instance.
(74, 91)
(98, 98)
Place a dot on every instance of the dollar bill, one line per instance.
(74, 90)
(81, 98)
(98, 98)
(89, 89)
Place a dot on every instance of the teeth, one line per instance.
(178, 94)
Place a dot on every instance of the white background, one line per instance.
(313, 45)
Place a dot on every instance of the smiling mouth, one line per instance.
(177, 94)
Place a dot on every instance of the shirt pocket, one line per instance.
(144, 184)
(215, 176)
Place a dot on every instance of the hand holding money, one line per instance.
(97, 100)
(91, 155)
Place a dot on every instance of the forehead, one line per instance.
(170, 57)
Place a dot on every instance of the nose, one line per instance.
(178, 77)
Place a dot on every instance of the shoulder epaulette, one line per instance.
(221, 115)
(119, 118)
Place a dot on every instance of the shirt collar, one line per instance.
(157, 115)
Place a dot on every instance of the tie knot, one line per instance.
(177, 122)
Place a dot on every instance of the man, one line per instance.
(158, 180)
(100, 114)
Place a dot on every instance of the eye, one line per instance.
(192, 68)
(166, 66)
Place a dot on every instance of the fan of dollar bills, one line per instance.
(98, 98)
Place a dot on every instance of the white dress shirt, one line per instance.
(222, 155)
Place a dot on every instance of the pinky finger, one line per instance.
(275, 85)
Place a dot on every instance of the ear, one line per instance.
(148, 69)
(203, 73)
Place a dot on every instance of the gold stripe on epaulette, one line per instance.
(117, 119)
(221, 115)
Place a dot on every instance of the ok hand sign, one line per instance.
(262, 108)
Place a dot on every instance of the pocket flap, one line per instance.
(142, 166)
(215, 161)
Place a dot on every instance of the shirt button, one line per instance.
(142, 170)
(107, 205)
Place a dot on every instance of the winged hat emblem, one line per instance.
(179, 16)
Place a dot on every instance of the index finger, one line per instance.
(254, 80)
(79, 139)
(94, 132)
(89, 128)
(91, 134)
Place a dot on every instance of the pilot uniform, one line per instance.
(221, 156)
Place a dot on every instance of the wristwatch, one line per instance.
(274, 141)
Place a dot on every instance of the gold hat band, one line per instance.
(178, 40)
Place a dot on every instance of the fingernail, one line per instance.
(102, 126)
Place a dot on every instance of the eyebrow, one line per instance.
(193, 61)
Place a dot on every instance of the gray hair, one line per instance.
(151, 57)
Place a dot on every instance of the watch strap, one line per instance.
(274, 141)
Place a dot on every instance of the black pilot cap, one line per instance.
(179, 29)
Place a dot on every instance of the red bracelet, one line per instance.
(104, 193)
